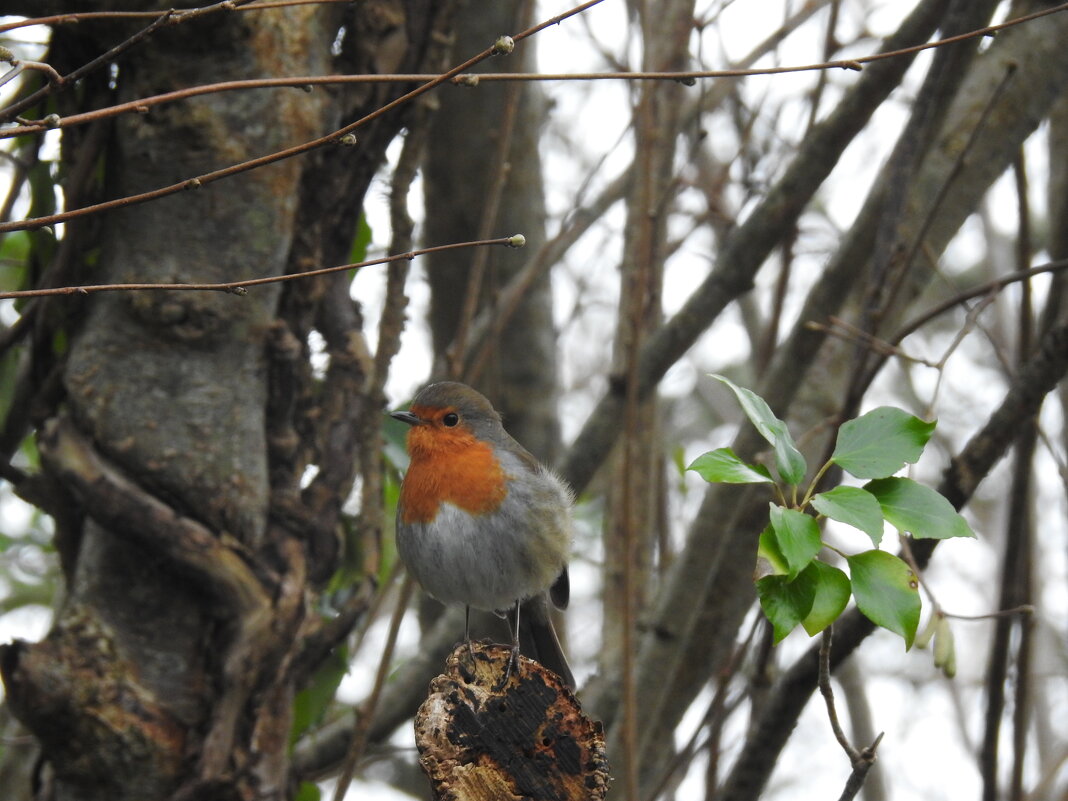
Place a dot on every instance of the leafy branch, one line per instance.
(794, 585)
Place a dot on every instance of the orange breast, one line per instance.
(449, 466)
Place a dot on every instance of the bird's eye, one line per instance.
(451, 419)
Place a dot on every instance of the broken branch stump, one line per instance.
(481, 738)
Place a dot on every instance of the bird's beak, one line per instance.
(406, 417)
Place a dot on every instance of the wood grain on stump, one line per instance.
(482, 738)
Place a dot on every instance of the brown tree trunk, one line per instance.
(171, 666)
(633, 525)
(484, 178)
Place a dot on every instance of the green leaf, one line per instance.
(14, 256)
(854, 507)
(832, 595)
(361, 240)
(798, 537)
(881, 442)
(770, 561)
(887, 592)
(308, 791)
(678, 459)
(786, 603)
(15, 247)
(28, 451)
(311, 702)
(724, 467)
(788, 459)
(917, 509)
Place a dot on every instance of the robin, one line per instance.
(480, 522)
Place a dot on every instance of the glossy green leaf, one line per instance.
(788, 459)
(308, 791)
(724, 467)
(786, 603)
(917, 509)
(770, 561)
(881, 442)
(832, 595)
(798, 537)
(854, 507)
(886, 591)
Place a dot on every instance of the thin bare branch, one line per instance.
(865, 760)
(747, 246)
(490, 209)
(241, 287)
(192, 13)
(141, 105)
(56, 81)
(861, 761)
(367, 710)
(988, 289)
(342, 136)
(828, 697)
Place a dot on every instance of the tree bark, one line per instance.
(484, 178)
(190, 554)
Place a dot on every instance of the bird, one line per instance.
(481, 523)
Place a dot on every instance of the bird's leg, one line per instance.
(467, 631)
(513, 658)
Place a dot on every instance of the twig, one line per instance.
(241, 287)
(322, 635)
(391, 321)
(848, 332)
(990, 287)
(18, 67)
(481, 341)
(860, 770)
(890, 347)
(464, 79)
(363, 719)
(864, 378)
(745, 248)
(67, 80)
(490, 208)
(80, 16)
(341, 136)
(860, 760)
(719, 708)
(828, 697)
(1022, 609)
(371, 520)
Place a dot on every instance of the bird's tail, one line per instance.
(538, 640)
